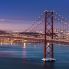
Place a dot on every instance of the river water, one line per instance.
(28, 56)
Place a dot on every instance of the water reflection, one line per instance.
(24, 45)
(24, 53)
(1, 43)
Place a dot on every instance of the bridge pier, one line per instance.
(48, 53)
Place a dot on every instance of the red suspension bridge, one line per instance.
(52, 28)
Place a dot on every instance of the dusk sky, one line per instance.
(18, 15)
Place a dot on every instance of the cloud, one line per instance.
(2, 20)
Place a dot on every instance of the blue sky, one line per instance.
(19, 14)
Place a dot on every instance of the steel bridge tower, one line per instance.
(48, 48)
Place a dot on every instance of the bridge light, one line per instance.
(25, 40)
(48, 44)
(61, 31)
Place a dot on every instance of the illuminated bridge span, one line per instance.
(54, 27)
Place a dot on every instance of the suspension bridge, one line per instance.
(52, 28)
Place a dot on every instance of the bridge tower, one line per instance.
(48, 48)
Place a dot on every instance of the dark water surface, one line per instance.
(29, 57)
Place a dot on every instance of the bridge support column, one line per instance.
(48, 48)
(48, 53)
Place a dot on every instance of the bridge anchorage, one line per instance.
(48, 48)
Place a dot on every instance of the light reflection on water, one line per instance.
(29, 55)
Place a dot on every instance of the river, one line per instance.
(29, 56)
